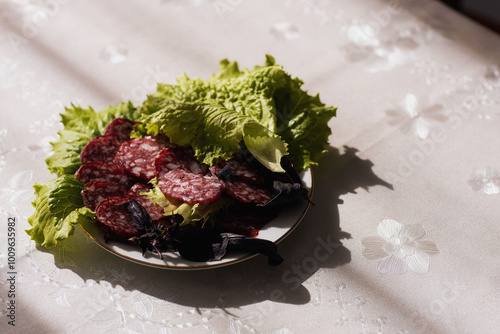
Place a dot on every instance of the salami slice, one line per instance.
(190, 187)
(137, 157)
(186, 156)
(97, 191)
(115, 217)
(166, 161)
(235, 225)
(100, 148)
(247, 193)
(120, 128)
(102, 171)
(239, 170)
(155, 211)
(244, 219)
(178, 158)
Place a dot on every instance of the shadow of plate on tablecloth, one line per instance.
(316, 243)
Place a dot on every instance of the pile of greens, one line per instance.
(264, 107)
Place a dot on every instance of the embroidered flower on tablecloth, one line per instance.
(399, 248)
(416, 117)
(375, 53)
(322, 10)
(486, 180)
(486, 95)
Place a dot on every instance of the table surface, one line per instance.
(404, 234)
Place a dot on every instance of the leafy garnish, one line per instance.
(195, 243)
(206, 244)
(59, 206)
(65, 196)
(194, 214)
(215, 132)
(152, 237)
(228, 100)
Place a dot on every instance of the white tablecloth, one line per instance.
(404, 234)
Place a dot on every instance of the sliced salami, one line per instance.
(246, 220)
(102, 171)
(239, 170)
(247, 193)
(97, 191)
(178, 158)
(186, 156)
(162, 139)
(190, 187)
(166, 161)
(232, 225)
(115, 217)
(114, 138)
(137, 157)
(155, 211)
(100, 148)
(120, 128)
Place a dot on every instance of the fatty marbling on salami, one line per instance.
(187, 158)
(247, 193)
(102, 171)
(190, 187)
(178, 158)
(101, 148)
(97, 191)
(120, 128)
(239, 170)
(166, 161)
(116, 218)
(242, 182)
(137, 157)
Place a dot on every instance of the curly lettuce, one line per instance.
(296, 122)
(215, 132)
(59, 206)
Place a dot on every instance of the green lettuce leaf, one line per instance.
(249, 93)
(193, 214)
(59, 206)
(302, 121)
(215, 132)
(265, 94)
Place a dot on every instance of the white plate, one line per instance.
(275, 231)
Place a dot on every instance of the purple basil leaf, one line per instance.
(225, 173)
(199, 244)
(254, 245)
(153, 237)
(290, 171)
(285, 193)
(206, 244)
(138, 215)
